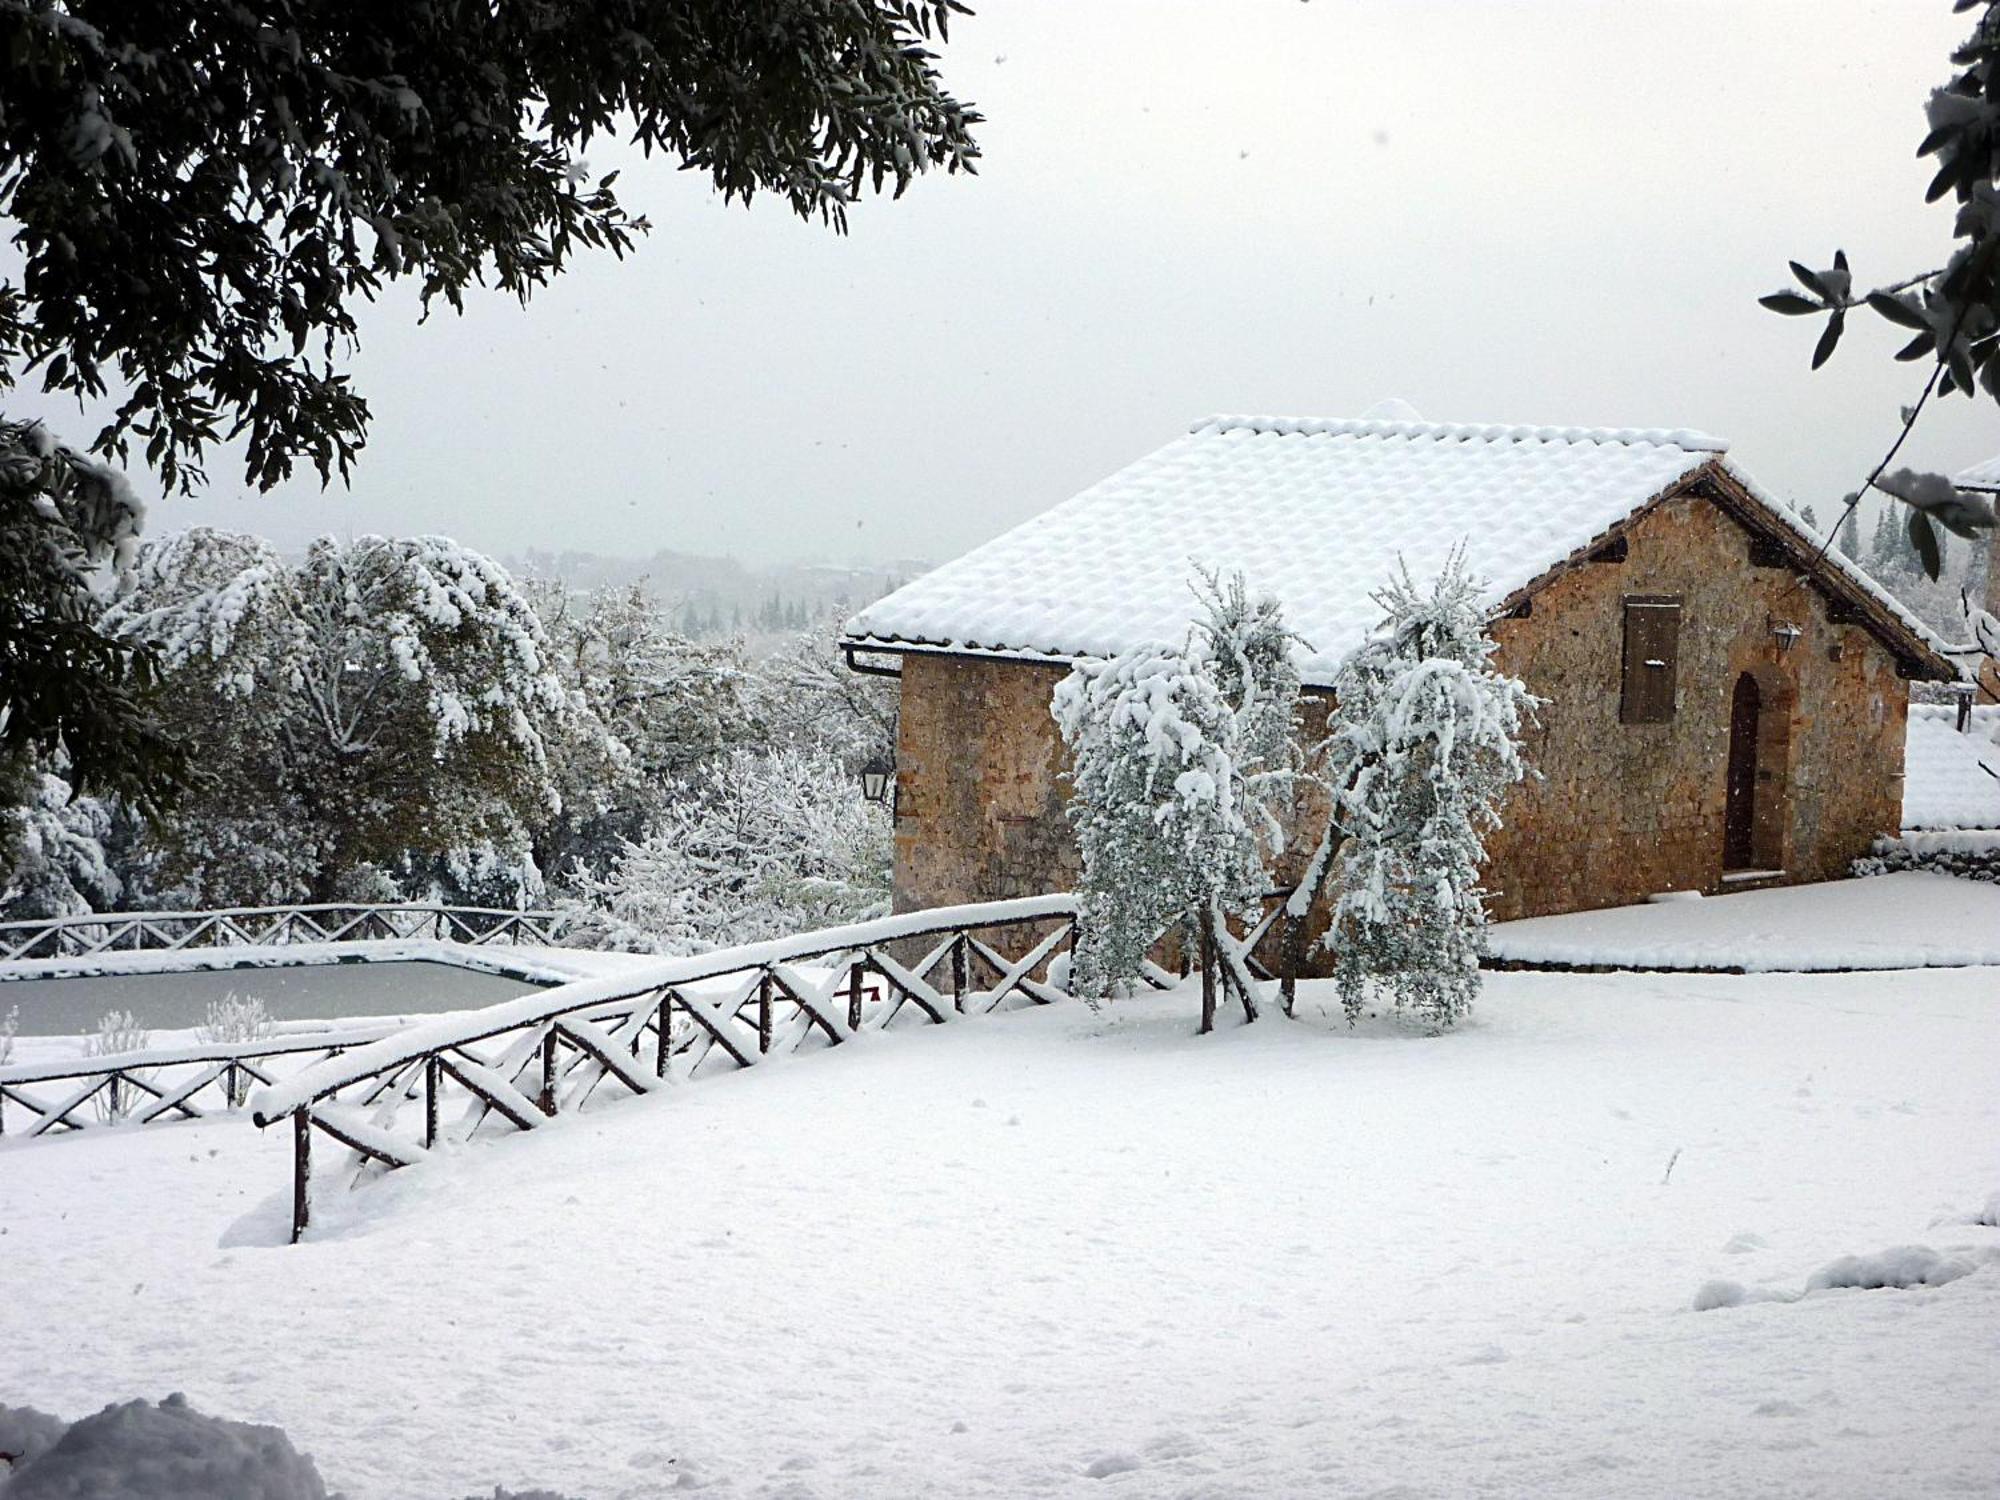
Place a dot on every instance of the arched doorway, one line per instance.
(1756, 803)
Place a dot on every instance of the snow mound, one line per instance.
(1725, 1293)
(1898, 1266)
(1111, 1463)
(25, 1434)
(135, 1450)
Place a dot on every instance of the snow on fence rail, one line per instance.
(265, 926)
(526, 1059)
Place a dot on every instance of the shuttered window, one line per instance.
(1652, 653)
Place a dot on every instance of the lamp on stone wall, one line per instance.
(1962, 694)
(875, 779)
(1786, 635)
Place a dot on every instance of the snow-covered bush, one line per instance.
(759, 845)
(117, 1032)
(235, 1019)
(382, 703)
(1897, 1267)
(1176, 756)
(1421, 747)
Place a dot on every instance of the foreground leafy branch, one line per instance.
(1952, 311)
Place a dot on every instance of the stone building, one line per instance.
(1726, 700)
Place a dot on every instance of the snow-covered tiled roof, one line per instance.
(1982, 476)
(1317, 512)
(1951, 780)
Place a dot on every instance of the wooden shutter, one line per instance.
(1652, 657)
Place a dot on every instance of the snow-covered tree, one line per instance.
(760, 844)
(70, 689)
(200, 197)
(375, 716)
(807, 696)
(1177, 757)
(654, 708)
(53, 854)
(1422, 744)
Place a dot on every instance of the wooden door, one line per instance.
(1739, 814)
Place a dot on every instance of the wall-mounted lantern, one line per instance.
(1962, 694)
(1786, 635)
(875, 779)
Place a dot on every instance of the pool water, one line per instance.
(301, 992)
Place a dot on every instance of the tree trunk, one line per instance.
(1207, 976)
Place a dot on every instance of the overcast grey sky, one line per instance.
(1539, 211)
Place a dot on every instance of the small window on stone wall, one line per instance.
(1652, 646)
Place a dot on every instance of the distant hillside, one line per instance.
(719, 596)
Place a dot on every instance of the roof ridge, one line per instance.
(1660, 437)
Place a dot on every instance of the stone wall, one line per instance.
(1621, 810)
(978, 801)
(1624, 810)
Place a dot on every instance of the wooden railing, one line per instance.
(527, 1059)
(265, 926)
(168, 1083)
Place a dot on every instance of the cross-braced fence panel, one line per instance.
(272, 926)
(515, 1066)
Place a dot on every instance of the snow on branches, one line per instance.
(1421, 748)
(390, 703)
(1177, 756)
(760, 844)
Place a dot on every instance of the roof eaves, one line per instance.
(1824, 564)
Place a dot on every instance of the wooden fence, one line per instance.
(267, 926)
(168, 1083)
(525, 1060)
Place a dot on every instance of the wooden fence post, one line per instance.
(764, 1012)
(854, 976)
(663, 1024)
(548, 1099)
(958, 972)
(432, 1079)
(301, 1172)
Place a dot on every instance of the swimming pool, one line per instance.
(173, 1000)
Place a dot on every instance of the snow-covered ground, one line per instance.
(1911, 919)
(1066, 1253)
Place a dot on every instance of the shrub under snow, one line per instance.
(1898, 1266)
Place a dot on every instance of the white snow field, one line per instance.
(1066, 1253)
(1907, 920)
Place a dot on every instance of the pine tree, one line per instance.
(1421, 747)
(1850, 530)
